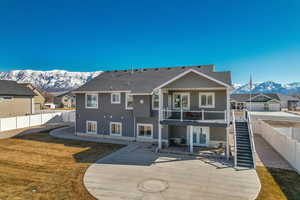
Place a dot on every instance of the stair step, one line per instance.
(242, 157)
(245, 162)
(242, 139)
(245, 165)
(244, 150)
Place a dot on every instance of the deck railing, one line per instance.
(248, 119)
(194, 115)
(234, 135)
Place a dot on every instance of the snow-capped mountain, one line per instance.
(50, 81)
(270, 87)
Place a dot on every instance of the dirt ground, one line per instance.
(39, 166)
(279, 124)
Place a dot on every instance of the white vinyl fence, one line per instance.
(12, 123)
(285, 145)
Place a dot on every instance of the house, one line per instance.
(65, 100)
(50, 105)
(175, 105)
(255, 102)
(39, 98)
(290, 102)
(15, 99)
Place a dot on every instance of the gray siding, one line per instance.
(142, 110)
(192, 80)
(105, 114)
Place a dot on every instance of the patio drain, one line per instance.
(153, 185)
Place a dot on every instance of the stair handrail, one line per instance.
(248, 118)
(234, 135)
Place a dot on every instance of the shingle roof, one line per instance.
(246, 97)
(12, 88)
(145, 80)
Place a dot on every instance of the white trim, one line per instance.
(86, 127)
(100, 91)
(111, 98)
(126, 96)
(184, 93)
(110, 129)
(195, 71)
(97, 95)
(207, 135)
(197, 89)
(152, 99)
(213, 99)
(2, 98)
(137, 94)
(144, 124)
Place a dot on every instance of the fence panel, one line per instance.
(8, 124)
(284, 144)
(11, 123)
(22, 121)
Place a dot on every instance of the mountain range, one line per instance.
(50, 81)
(61, 80)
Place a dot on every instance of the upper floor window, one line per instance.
(91, 101)
(155, 102)
(129, 101)
(207, 100)
(115, 98)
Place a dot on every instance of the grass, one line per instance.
(278, 184)
(39, 166)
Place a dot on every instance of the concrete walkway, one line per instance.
(135, 172)
(267, 156)
(29, 130)
(69, 133)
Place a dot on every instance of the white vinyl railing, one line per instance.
(248, 118)
(193, 115)
(234, 135)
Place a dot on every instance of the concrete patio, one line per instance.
(135, 172)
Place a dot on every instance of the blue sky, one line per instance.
(258, 37)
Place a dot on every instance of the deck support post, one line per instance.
(191, 139)
(160, 112)
(227, 114)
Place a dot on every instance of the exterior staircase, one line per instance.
(244, 157)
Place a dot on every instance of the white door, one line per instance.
(200, 136)
(181, 100)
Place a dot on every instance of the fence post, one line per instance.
(29, 120)
(202, 114)
(0, 126)
(181, 114)
(41, 118)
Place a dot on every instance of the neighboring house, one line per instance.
(39, 99)
(15, 99)
(50, 105)
(290, 102)
(65, 100)
(257, 102)
(186, 105)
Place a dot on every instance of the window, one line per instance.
(91, 127)
(206, 100)
(91, 101)
(116, 128)
(129, 101)
(6, 98)
(144, 130)
(115, 98)
(155, 102)
(181, 100)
